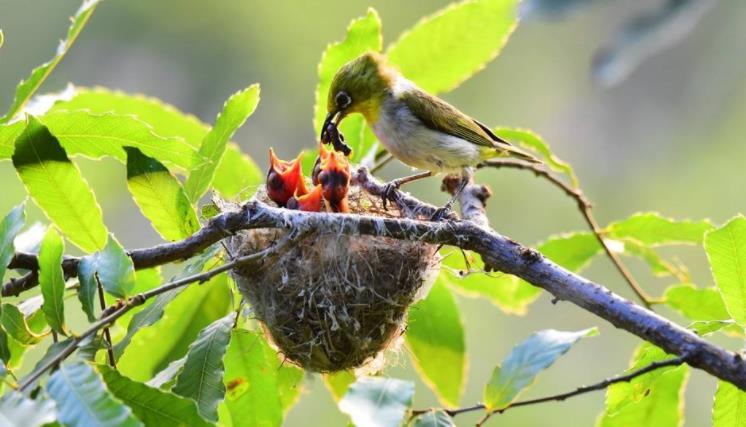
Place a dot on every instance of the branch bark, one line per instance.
(498, 252)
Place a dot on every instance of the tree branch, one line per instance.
(498, 252)
(114, 312)
(676, 361)
(585, 207)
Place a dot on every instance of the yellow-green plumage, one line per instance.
(419, 129)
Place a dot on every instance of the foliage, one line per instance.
(190, 357)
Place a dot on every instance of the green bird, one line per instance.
(419, 129)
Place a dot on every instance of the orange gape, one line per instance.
(311, 202)
(320, 159)
(284, 179)
(334, 178)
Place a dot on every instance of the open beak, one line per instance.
(330, 118)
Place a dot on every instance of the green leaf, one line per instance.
(529, 139)
(653, 229)
(160, 196)
(527, 359)
(153, 311)
(726, 250)
(237, 175)
(433, 419)
(99, 135)
(82, 399)
(152, 406)
(695, 303)
(236, 110)
(114, 270)
(448, 47)
(2, 38)
(10, 225)
(57, 187)
(338, 383)
(572, 251)
(653, 399)
(377, 402)
(509, 293)
(52, 280)
(435, 337)
(8, 135)
(201, 378)
(27, 87)
(16, 410)
(260, 388)
(169, 338)
(165, 119)
(658, 265)
(166, 378)
(729, 409)
(363, 35)
(14, 323)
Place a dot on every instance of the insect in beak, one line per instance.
(330, 133)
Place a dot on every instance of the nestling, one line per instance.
(284, 179)
(417, 128)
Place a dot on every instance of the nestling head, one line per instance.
(359, 87)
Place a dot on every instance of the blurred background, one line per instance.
(669, 137)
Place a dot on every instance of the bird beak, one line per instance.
(330, 119)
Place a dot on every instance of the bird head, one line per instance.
(358, 87)
(334, 179)
(284, 179)
(320, 159)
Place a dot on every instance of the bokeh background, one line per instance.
(667, 138)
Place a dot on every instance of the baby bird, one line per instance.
(311, 202)
(334, 178)
(284, 179)
(419, 129)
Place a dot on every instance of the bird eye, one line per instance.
(274, 181)
(342, 100)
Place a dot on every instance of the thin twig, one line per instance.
(114, 312)
(561, 396)
(107, 334)
(381, 162)
(585, 207)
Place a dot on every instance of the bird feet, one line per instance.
(443, 213)
(390, 192)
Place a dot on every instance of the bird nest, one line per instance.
(332, 302)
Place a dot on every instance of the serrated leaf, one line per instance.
(338, 383)
(726, 250)
(698, 304)
(114, 270)
(237, 174)
(16, 410)
(236, 110)
(433, 419)
(446, 48)
(10, 225)
(14, 323)
(652, 399)
(52, 280)
(653, 229)
(44, 168)
(572, 251)
(26, 88)
(363, 35)
(377, 402)
(525, 362)
(165, 119)
(169, 338)
(99, 135)
(153, 311)
(260, 388)
(201, 378)
(166, 378)
(529, 139)
(435, 337)
(729, 407)
(8, 135)
(657, 264)
(152, 406)
(160, 196)
(83, 400)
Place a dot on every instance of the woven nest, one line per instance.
(333, 302)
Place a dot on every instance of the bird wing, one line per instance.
(441, 116)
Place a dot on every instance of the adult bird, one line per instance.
(421, 130)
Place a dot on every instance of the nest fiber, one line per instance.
(332, 302)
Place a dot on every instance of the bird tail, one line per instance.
(518, 153)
